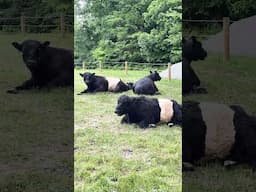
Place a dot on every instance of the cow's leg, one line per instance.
(187, 160)
(156, 91)
(56, 82)
(29, 84)
(233, 159)
(252, 156)
(126, 119)
(83, 92)
(99, 89)
(199, 90)
(143, 124)
(194, 76)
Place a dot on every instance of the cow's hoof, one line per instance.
(170, 124)
(152, 125)
(229, 163)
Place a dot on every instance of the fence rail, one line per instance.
(61, 22)
(226, 33)
(126, 66)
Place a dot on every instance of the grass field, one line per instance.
(113, 157)
(228, 83)
(36, 127)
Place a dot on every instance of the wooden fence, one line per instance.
(61, 22)
(226, 33)
(126, 66)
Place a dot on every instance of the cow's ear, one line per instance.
(81, 74)
(17, 46)
(93, 74)
(45, 44)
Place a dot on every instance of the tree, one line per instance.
(141, 31)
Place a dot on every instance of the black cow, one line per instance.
(146, 85)
(49, 66)
(147, 112)
(99, 84)
(214, 131)
(192, 50)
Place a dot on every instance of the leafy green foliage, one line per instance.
(213, 10)
(216, 9)
(10, 8)
(141, 31)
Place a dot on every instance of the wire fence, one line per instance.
(38, 24)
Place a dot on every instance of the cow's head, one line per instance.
(123, 105)
(154, 76)
(88, 77)
(192, 49)
(32, 51)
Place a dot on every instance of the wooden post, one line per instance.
(169, 71)
(22, 23)
(62, 24)
(126, 67)
(83, 65)
(226, 38)
(100, 65)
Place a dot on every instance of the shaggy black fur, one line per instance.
(193, 132)
(143, 111)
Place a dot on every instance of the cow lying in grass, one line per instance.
(146, 85)
(99, 84)
(147, 112)
(49, 66)
(215, 131)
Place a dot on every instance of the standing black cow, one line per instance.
(146, 85)
(192, 50)
(49, 66)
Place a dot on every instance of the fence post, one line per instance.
(169, 71)
(83, 64)
(62, 24)
(100, 65)
(126, 67)
(226, 38)
(22, 23)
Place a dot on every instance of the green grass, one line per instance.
(110, 156)
(228, 83)
(37, 126)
